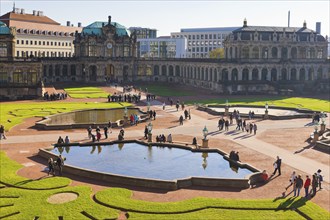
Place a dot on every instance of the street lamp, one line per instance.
(226, 103)
(125, 111)
(148, 106)
(316, 127)
(149, 127)
(205, 132)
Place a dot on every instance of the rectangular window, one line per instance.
(205, 36)
(17, 77)
(17, 53)
(22, 41)
(17, 42)
(35, 42)
(197, 37)
(210, 36)
(44, 43)
(31, 42)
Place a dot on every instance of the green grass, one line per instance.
(14, 113)
(8, 177)
(293, 102)
(165, 90)
(86, 92)
(31, 201)
(121, 199)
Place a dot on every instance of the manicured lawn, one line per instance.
(293, 102)
(165, 90)
(86, 92)
(14, 113)
(191, 209)
(29, 203)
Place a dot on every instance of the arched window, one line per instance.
(293, 74)
(294, 53)
(264, 74)
(171, 70)
(255, 74)
(274, 52)
(319, 73)
(273, 75)
(156, 70)
(284, 53)
(284, 75)
(302, 74)
(255, 53)
(234, 74)
(224, 75)
(245, 52)
(245, 74)
(164, 70)
(177, 70)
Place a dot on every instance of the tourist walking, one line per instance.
(292, 179)
(2, 132)
(154, 114)
(89, 132)
(255, 128)
(277, 166)
(227, 125)
(314, 185)
(319, 178)
(98, 136)
(298, 185)
(51, 167)
(306, 185)
(181, 120)
(169, 138)
(60, 164)
(105, 129)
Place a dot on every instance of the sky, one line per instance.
(171, 15)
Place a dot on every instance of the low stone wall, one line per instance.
(154, 183)
(304, 113)
(43, 124)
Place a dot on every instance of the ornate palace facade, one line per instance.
(264, 60)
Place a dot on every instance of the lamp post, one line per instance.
(149, 127)
(205, 141)
(316, 133)
(322, 128)
(266, 111)
(226, 108)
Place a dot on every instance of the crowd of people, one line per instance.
(131, 98)
(52, 164)
(55, 96)
(297, 183)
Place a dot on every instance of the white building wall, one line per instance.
(200, 41)
(162, 47)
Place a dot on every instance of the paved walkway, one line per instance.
(194, 128)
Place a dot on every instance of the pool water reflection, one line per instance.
(154, 162)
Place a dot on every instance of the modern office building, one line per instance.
(162, 47)
(143, 33)
(37, 35)
(200, 41)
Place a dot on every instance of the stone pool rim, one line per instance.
(241, 183)
(304, 113)
(42, 124)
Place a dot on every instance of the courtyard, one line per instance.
(22, 173)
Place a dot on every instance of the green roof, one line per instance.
(4, 29)
(96, 29)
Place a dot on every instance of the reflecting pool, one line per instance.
(93, 116)
(154, 162)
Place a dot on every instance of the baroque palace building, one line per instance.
(258, 60)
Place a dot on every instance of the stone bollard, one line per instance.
(205, 143)
(316, 137)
